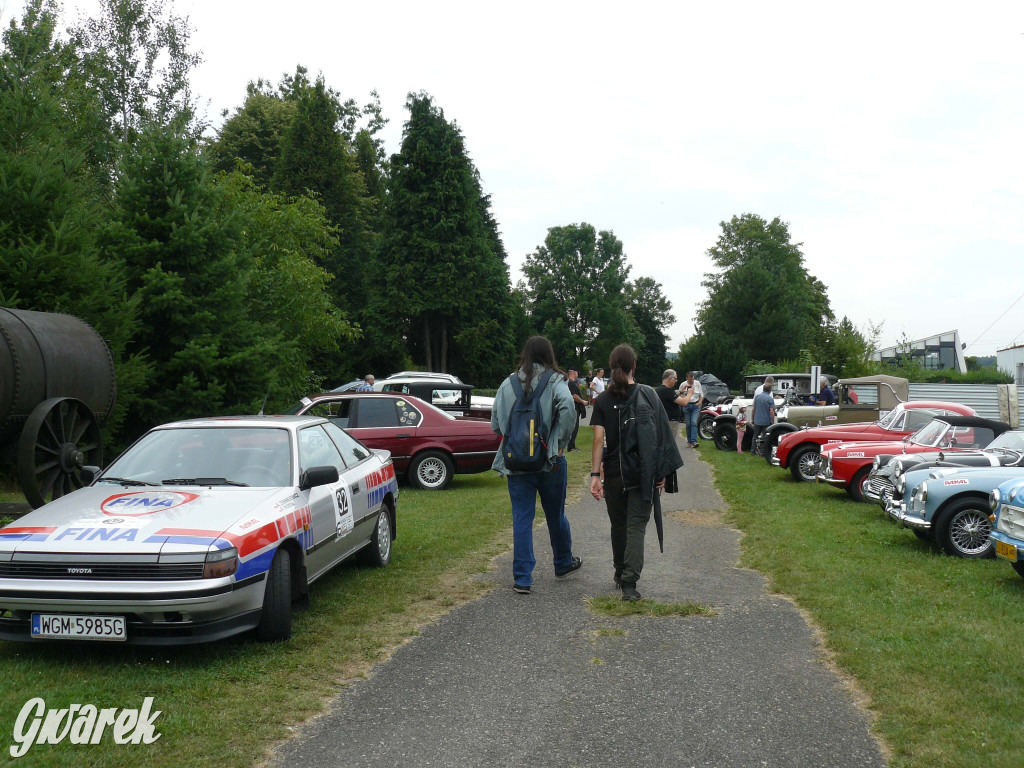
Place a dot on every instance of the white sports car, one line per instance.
(200, 530)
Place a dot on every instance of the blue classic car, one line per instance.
(1007, 535)
(949, 505)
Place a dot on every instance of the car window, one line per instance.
(918, 417)
(407, 415)
(336, 411)
(400, 388)
(351, 450)
(860, 394)
(316, 449)
(377, 412)
(895, 421)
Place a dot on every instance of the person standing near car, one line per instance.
(579, 402)
(764, 413)
(557, 411)
(630, 500)
(670, 398)
(693, 395)
(367, 385)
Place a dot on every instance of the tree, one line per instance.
(762, 303)
(138, 59)
(651, 313)
(840, 348)
(575, 286)
(442, 265)
(254, 134)
(190, 276)
(52, 196)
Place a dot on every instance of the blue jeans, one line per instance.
(691, 411)
(522, 491)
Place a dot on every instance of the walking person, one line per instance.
(631, 480)
(579, 402)
(764, 413)
(597, 384)
(537, 374)
(693, 394)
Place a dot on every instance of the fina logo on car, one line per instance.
(145, 502)
(956, 482)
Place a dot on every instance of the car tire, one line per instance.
(276, 617)
(802, 461)
(922, 535)
(856, 486)
(706, 427)
(962, 529)
(377, 554)
(725, 437)
(1019, 568)
(431, 471)
(770, 441)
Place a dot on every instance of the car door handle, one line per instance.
(354, 488)
(403, 435)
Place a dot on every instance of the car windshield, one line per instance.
(931, 433)
(1012, 440)
(889, 418)
(259, 456)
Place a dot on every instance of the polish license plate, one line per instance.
(69, 627)
(1006, 550)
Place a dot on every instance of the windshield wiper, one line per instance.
(202, 481)
(126, 481)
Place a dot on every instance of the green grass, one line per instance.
(613, 605)
(224, 704)
(933, 640)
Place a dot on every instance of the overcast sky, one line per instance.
(888, 135)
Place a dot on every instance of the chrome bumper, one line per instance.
(774, 460)
(835, 482)
(898, 512)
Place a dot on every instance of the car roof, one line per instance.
(357, 395)
(424, 375)
(974, 421)
(244, 421)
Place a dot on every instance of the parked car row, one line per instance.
(935, 468)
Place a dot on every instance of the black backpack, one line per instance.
(629, 441)
(525, 445)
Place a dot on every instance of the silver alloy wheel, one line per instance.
(808, 465)
(384, 535)
(969, 530)
(432, 472)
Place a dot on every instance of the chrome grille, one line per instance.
(880, 486)
(92, 571)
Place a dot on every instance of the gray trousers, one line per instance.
(629, 515)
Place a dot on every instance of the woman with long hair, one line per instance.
(629, 495)
(537, 373)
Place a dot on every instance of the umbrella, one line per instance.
(659, 524)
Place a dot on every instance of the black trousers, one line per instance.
(575, 431)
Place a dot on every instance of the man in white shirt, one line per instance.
(597, 385)
(693, 393)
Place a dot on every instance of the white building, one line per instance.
(941, 352)
(1011, 362)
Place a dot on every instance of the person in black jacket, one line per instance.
(630, 500)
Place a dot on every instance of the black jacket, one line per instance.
(659, 454)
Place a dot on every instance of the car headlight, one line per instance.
(876, 463)
(900, 483)
(993, 499)
(220, 563)
(897, 467)
(782, 413)
(921, 492)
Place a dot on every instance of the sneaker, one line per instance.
(521, 590)
(629, 593)
(696, 445)
(575, 565)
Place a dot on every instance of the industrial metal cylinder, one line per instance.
(44, 355)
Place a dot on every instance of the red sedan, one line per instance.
(424, 441)
(800, 450)
(847, 465)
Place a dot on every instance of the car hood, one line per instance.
(108, 518)
(847, 433)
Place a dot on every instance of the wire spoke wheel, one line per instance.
(60, 436)
(968, 532)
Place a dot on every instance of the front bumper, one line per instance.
(774, 459)
(897, 510)
(835, 482)
(156, 613)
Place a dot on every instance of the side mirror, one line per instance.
(316, 476)
(89, 474)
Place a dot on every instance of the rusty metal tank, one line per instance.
(57, 386)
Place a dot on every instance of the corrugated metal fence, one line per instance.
(983, 398)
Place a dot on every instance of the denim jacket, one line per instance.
(554, 399)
